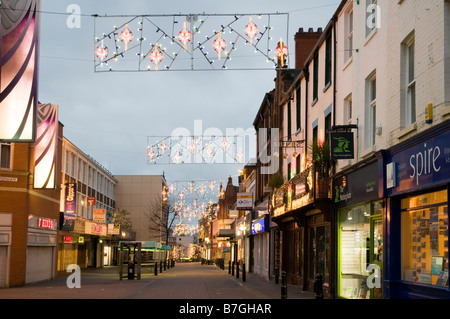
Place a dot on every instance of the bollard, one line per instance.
(156, 268)
(229, 267)
(160, 267)
(283, 285)
(277, 276)
(243, 273)
(165, 265)
(237, 269)
(232, 269)
(318, 286)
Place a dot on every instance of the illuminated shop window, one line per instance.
(425, 239)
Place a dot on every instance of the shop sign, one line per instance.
(260, 226)
(42, 222)
(66, 221)
(67, 239)
(424, 164)
(342, 145)
(95, 229)
(80, 226)
(113, 229)
(357, 187)
(71, 198)
(99, 215)
(244, 201)
(91, 201)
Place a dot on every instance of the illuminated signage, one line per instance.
(45, 223)
(71, 198)
(260, 226)
(244, 201)
(67, 239)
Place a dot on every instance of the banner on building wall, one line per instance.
(71, 198)
(45, 154)
(342, 145)
(19, 44)
(66, 221)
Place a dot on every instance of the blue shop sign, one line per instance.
(260, 225)
(424, 165)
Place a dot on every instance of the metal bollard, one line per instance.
(283, 285)
(232, 268)
(277, 276)
(243, 273)
(318, 286)
(160, 267)
(237, 269)
(156, 268)
(229, 267)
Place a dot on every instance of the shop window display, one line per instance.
(360, 246)
(425, 239)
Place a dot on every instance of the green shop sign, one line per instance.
(342, 145)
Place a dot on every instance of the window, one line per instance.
(5, 155)
(316, 80)
(425, 239)
(371, 110)
(298, 94)
(289, 120)
(349, 34)
(327, 127)
(409, 82)
(348, 109)
(328, 62)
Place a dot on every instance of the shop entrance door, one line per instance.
(376, 254)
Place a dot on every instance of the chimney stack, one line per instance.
(304, 44)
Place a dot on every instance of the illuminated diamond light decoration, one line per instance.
(101, 52)
(126, 36)
(251, 30)
(184, 36)
(163, 147)
(219, 45)
(281, 52)
(156, 56)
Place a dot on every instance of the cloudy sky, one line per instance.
(112, 115)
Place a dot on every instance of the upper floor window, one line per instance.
(5, 155)
(328, 61)
(316, 79)
(371, 109)
(348, 34)
(409, 83)
(298, 97)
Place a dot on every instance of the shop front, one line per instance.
(417, 187)
(303, 249)
(260, 232)
(359, 209)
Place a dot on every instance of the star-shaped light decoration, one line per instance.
(251, 30)
(219, 45)
(163, 147)
(126, 36)
(156, 56)
(184, 36)
(281, 52)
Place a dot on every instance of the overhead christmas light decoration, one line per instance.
(251, 30)
(219, 45)
(184, 36)
(126, 36)
(156, 56)
(101, 52)
(187, 49)
(281, 52)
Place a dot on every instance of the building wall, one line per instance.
(138, 194)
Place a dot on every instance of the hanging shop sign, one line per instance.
(244, 201)
(260, 225)
(423, 165)
(91, 201)
(113, 229)
(342, 145)
(71, 198)
(357, 187)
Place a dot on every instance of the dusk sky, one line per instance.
(111, 115)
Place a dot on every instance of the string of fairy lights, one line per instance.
(183, 42)
(191, 201)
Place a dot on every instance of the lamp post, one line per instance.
(242, 229)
